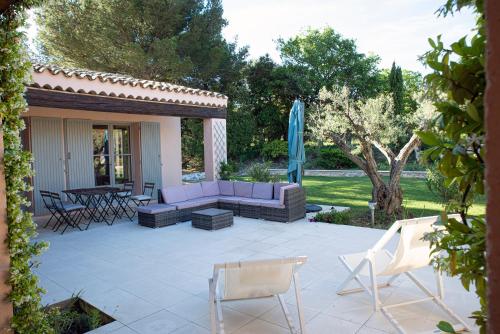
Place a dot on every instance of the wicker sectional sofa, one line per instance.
(281, 202)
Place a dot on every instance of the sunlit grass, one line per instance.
(355, 192)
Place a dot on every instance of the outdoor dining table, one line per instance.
(98, 202)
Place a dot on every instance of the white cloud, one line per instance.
(394, 29)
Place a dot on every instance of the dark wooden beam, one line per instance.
(492, 107)
(64, 100)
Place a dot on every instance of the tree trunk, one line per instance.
(389, 199)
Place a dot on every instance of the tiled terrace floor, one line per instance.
(155, 280)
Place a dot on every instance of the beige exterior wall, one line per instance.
(170, 132)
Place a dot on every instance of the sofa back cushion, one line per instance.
(282, 191)
(277, 187)
(262, 190)
(193, 191)
(226, 188)
(243, 189)
(210, 188)
(173, 194)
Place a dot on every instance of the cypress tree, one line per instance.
(396, 85)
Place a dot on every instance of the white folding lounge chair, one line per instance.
(412, 253)
(255, 279)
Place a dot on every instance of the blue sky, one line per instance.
(393, 29)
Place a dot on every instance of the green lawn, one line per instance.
(355, 192)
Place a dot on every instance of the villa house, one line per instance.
(88, 129)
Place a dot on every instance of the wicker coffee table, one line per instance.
(212, 219)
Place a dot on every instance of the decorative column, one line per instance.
(215, 146)
(5, 305)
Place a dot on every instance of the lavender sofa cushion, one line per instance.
(193, 190)
(262, 190)
(173, 194)
(210, 188)
(193, 203)
(243, 189)
(226, 188)
(277, 187)
(155, 208)
(282, 192)
(252, 201)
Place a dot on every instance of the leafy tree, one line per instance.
(396, 85)
(271, 90)
(323, 58)
(457, 146)
(177, 41)
(359, 126)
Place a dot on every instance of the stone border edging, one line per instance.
(349, 173)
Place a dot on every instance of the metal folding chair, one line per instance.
(146, 196)
(123, 199)
(49, 205)
(71, 214)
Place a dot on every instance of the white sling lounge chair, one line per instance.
(411, 253)
(255, 279)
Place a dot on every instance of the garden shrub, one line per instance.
(226, 171)
(333, 158)
(334, 217)
(275, 150)
(259, 172)
(448, 194)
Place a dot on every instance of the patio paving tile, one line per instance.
(160, 322)
(233, 320)
(156, 280)
(191, 329)
(191, 309)
(325, 324)
(260, 326)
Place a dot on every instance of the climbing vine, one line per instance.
(29, 316)
(457, 145)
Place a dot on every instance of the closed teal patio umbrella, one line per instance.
(296, 154)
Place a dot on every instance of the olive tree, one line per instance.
(358, 127)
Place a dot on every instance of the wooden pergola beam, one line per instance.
(57, 99)
(492, 106)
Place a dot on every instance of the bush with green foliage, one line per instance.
(333, 158)
(333, 217)
(449, 195)
(226, 171)
(457, 145)
(29, 317)
(275, 150)
(259, 172)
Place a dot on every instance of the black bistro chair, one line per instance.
(70, 214)
(146, 196)
(123, 199)
(49, 205)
